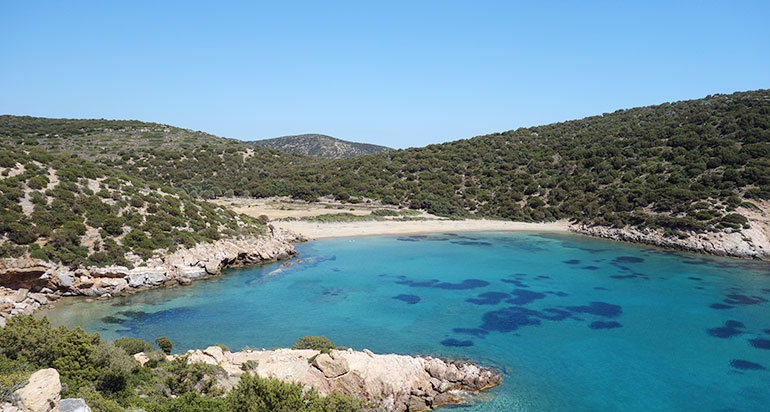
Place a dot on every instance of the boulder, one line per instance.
(41, 394)
(331, 368)
(66, 279)
(416, 404)
(142, 358)
(73, 405)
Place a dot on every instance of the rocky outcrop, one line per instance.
(27, 284)
(752, 243)
(393, 382)
(42, 393)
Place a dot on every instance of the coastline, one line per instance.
(316, 230)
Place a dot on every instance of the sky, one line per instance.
(395, 73)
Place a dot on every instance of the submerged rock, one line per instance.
(394, 382)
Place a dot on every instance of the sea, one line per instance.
(574, 323)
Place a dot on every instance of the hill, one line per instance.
(319, 145)
(77, 212)
(684, 167)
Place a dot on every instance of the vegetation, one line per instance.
(321, 343)
(319, 145)
(111, 380)
(78, 212)
(164, 344)
(683, 166)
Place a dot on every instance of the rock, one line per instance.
(216, 353)
(73, 405)
(2, 322)
(331, 368)
(39, 298)
(212, 267)
(416, 404)
(41, 394)
(393, 382)
(142, 358)
(20, 295)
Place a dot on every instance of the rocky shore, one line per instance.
(394, 383)
(391, 382)
(27, 284)
(752, 243)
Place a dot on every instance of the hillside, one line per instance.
(79, 213)
(683, 167)
(319, 145)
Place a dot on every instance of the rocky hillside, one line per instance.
(319, 145)
(674, 170)
(75, 212)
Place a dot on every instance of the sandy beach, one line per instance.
(315, 230)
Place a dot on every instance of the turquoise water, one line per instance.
(576, 324)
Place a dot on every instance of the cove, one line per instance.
(574, 323)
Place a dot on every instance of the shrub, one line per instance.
(164, 344)
(321, 343)
(133, 345)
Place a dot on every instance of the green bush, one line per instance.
(164, 344)
(133, 345)
(321, 343)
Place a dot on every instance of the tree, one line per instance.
(164, 344)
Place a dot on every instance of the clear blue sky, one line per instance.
(394, 73)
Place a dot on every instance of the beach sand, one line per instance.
(315, 230)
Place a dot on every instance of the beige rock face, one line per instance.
(41, 394)
(394, 382)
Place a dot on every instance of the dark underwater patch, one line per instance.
(628, 259)
(113, 319)
(600, 288)
(766, 331)
(590, 267)
(515, 282)
(331, 291)
(456, 342)
(694, 278)
(410, 299)
(760, 343)
(523, 297)
(479, 333)
(406, 239)
(607, 310)
(510, 319)
(746, 365)
(434, 283)
(558, 293)
(738, 299)
(542, 277)
(720, 306)
(572, 262)
(730, 329)
(470, 243)
(632, 276)
(488, 298)
(605, 325)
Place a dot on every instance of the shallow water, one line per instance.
(576, 324)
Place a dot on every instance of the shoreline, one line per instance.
(315, 230)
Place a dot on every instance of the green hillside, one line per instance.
(682, 166)
(75, 211)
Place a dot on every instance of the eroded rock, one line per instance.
(41, 394)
